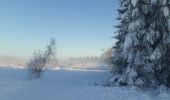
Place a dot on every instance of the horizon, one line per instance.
(80, 27)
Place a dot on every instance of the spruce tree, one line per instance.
(157, 71)
(143, 46)
(166, 41)
(119, 62)
(135, 48)
(160, 41)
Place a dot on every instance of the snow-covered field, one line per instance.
(67, 84)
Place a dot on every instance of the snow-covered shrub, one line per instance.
(40, 60)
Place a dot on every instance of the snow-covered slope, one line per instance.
(66, 84)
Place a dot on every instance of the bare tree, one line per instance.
(41, 59)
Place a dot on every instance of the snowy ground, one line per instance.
(67, 84)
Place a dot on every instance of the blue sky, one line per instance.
(80, 27)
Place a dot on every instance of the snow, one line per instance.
(66, 84)
(134, 2)
(168, 23)
(127, 43)
(130, 41)
(153, 36)
(156, 54)
(135, 12)
(166, 11)
(136, 25)
(124, 16)
(164, 2)
(153, 1)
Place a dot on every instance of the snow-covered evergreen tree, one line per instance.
(119, 62)
(160, 41)
(142, 49)
(135, 48)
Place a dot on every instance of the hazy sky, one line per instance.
(80, 27)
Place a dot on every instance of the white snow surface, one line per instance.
(134, 2)
(164, 2)
(166, 11)
(68, 84)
